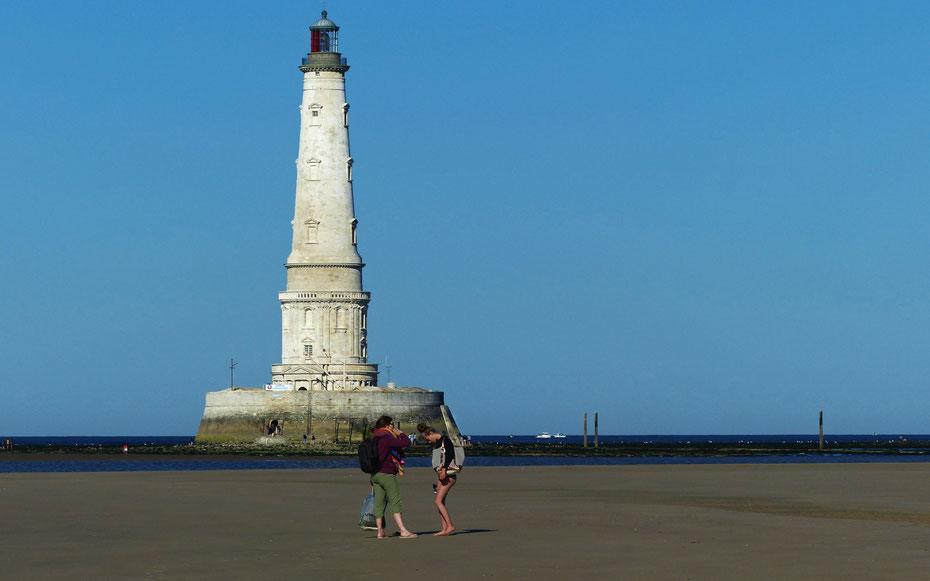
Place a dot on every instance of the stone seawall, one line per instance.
(242, 414)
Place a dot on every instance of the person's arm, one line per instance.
(449, 452)
(397, 439)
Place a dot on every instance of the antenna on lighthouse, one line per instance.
(388, 367)
(232, 366)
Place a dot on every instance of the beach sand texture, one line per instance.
(700, 522)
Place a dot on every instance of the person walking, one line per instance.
(391, 443)
(446, 476)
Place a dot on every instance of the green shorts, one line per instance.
(386, 492)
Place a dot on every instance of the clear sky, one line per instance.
(690, 217)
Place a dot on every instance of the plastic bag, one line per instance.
(367, 520)
(458, 461)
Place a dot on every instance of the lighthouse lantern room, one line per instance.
(323, 35)
(324, 48)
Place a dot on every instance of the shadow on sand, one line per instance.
(463, 532)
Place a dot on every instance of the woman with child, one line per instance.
(391, 443)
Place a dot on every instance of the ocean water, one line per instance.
(97, 440)
(120, 463)
(704, 438)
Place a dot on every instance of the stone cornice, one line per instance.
(323, 265)
(319, 68)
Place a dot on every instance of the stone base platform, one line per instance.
(242, 414)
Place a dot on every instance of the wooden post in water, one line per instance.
(595, 430)
(821, 429)
(586, 429)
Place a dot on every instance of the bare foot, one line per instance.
(445, 532)
(408, 535)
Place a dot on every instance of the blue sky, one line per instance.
(688, 217)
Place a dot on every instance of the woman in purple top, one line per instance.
(391, 443)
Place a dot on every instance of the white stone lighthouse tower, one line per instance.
(324, 309)
(324, 389)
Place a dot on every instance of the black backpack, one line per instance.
(368, 458)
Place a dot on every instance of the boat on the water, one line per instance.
(543, 435)
(559, 435)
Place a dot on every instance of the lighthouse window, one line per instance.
(313, 170)
(349, 163)
(308, 350)
(315, 114)
(313, 231)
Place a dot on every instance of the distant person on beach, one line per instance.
(445, 479)
(391, 443)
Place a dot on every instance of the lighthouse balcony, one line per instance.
(324, 296)
(320, 58)
(324, 61)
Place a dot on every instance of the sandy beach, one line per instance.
(700, 522)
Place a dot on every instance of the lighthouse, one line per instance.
(324, 309)
(324, 389)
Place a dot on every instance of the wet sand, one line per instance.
(701, 522)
